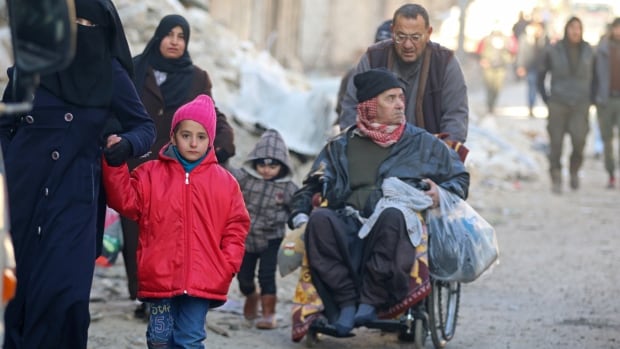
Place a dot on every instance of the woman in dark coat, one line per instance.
(166, 78)
(53, 163)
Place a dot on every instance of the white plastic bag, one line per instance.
(462, 244)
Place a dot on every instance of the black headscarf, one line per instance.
(87, 81)
(179, 71)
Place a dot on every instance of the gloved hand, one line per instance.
(222, 155)
(298, 220)
(118, 153)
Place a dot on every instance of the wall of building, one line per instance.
(308, 35)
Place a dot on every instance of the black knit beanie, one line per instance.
(373, 82)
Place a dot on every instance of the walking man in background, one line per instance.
(570, 63)
(607, 94)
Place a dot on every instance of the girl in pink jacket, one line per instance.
(193, 225)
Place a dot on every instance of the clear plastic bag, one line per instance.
(462, 244)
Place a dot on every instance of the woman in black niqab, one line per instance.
(87, 81)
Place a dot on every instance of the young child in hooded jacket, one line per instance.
(266, 181)
(193, 225)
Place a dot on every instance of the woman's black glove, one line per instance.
(117, 154)
(222, 155)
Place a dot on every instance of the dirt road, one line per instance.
(556, 286)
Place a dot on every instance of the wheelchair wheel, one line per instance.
(443, 308)
(420, 334)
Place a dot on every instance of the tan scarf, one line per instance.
(381, 134)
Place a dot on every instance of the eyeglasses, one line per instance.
(402, 38)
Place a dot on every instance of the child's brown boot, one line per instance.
(250, 308)
(268, 320)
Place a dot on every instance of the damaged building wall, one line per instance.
(308, 35)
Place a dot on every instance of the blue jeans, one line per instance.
(532, 88)
(177, 322)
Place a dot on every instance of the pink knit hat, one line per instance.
(201, 110)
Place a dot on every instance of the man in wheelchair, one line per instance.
(360, 243)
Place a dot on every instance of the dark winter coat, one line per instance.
(267, 201)
(569, 85)
(53, 168)
(602, 72)
(417, 155)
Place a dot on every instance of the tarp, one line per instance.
(304, 115)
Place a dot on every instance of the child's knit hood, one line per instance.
(201, 110)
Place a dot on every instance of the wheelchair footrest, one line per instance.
(320, 325)
(385, 325)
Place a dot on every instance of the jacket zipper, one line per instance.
(187, 229)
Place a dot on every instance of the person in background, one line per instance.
(434, 85)
(193, 225)
(531, 51)
(494, 58)
(607, 95)
(383, 33)
(166, 78)
(518, 28)
(53, 172)
(363, 275)
(570, 63)
(267, 186)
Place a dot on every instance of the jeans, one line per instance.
(532, 89)
(177, 322)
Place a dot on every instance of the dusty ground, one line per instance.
(556, 285)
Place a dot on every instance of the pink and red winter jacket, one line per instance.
(193, 225)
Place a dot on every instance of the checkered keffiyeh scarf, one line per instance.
(381, 134)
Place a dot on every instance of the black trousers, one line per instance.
(130, 246)
(350, 270)
(266, 270)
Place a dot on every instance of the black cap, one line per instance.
(373, 82)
